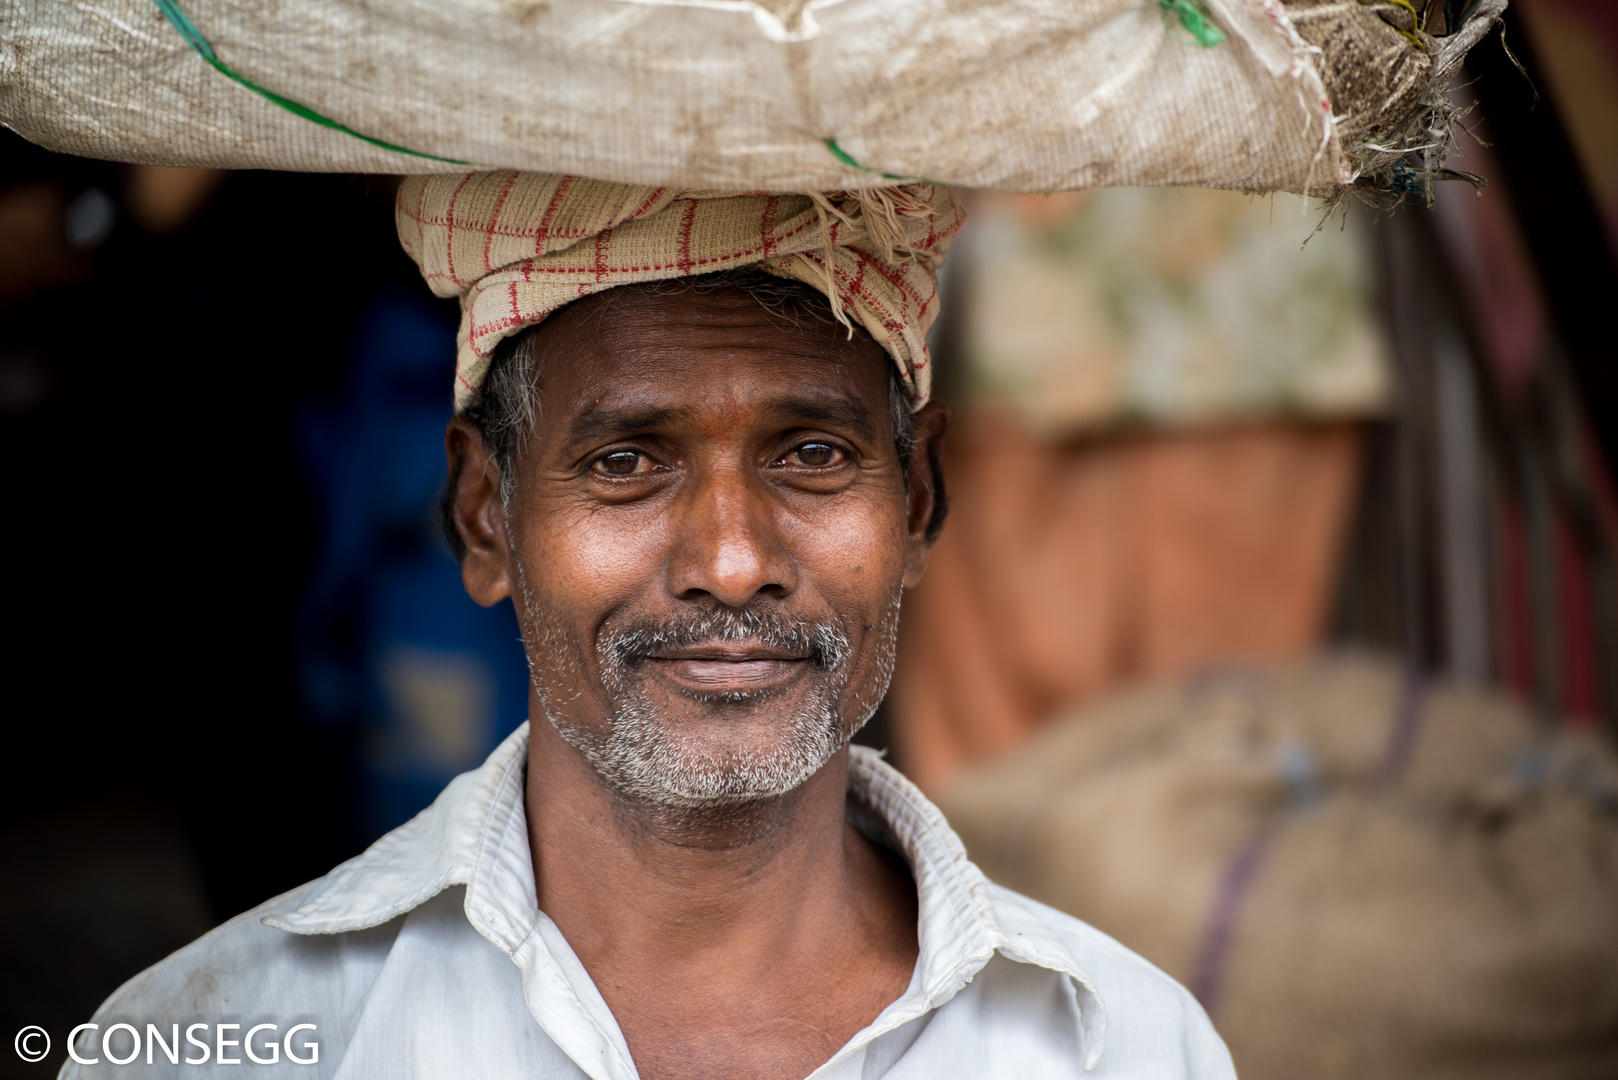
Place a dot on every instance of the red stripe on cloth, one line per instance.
(487, 335)
(766, 222)
(892, 274)
(529, 232)
(594, 266)
(895, 323)
(494, 220)
(769, 249)
(932, 298)
(420, 211)
(854, 289)
(647, 205)
(915, 307)
(805, 223)
(449, 235)
(543, 233)
(686, 224)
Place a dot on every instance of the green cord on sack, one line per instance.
(188, 30)
(1194, 20)
(848, 159)
(843, 155)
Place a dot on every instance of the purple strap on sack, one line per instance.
(1208, 975)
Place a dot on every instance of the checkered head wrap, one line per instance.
(516, 246)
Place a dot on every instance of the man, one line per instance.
(705, 489)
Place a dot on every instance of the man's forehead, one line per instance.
(685, 358)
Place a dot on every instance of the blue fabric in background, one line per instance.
(388, 641)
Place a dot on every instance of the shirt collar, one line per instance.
(475, 834)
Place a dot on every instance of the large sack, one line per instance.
(1027, 95)
(1359, 874)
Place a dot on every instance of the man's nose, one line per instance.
(730, 543)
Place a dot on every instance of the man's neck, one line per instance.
(761, 937)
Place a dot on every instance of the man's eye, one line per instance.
(816, 454)
(619, 462)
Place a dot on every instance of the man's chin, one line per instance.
(734, 724)
(683, 750)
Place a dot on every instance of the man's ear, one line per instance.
(927, 501)
(477, 515)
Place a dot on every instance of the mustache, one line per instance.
(823, 642)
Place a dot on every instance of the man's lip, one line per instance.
(727, 671)
(726, 653)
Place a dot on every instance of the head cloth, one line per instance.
(516, 246)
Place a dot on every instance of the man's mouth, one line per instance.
(728, 667)
(724, 654)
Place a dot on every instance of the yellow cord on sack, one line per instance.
(1415, 21)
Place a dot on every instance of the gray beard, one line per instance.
(641, 755)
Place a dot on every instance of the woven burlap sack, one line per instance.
(774, 95)
(1359, 874)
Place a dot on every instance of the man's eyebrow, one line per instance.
(832, 411)
(607, 422)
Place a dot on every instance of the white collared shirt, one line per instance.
(427, 956)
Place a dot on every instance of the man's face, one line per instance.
(707, 540)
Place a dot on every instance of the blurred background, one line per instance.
(1274, 631)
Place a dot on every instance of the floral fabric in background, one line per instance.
(1167, 306)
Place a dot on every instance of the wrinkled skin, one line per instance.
(707, 539)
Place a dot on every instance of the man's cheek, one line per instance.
(607, 555)
(580, 563)
(860, 575)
